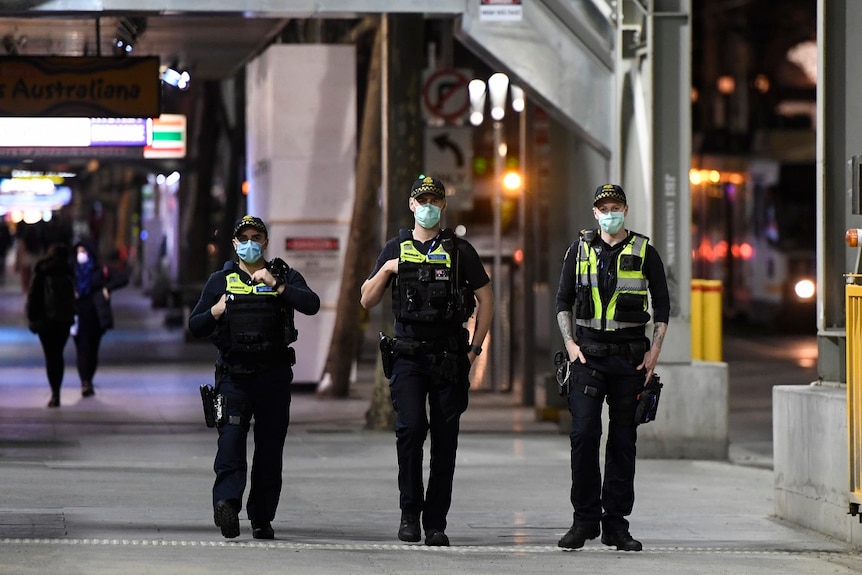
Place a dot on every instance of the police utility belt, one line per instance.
(444, 353)
(632, 350)
(647, 399)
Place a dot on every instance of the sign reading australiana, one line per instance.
(80, 86)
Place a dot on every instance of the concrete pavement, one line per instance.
(120, 483)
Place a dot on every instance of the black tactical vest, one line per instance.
(257, 322)
(427, 288)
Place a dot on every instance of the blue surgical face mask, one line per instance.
(612, 222)
(428, 215)
(249, 251)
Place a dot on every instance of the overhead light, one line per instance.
(476, 89)
(126, 34)
(172, 76)
(498, 84)
(122, 47)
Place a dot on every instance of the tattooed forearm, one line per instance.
(658, 334)
(564, 319)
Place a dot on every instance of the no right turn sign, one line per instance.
(444, 95)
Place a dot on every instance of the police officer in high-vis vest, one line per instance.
(248, 307)
(602, 301)
(438, 282)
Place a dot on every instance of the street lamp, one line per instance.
(527, 333)
(497, 89)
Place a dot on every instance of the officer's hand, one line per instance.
(649, 363)
(217, 310)
(575, 352)
(391, 266)
(264, 276)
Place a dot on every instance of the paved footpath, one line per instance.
(120, 483)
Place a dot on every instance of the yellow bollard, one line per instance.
(712, 320)
(697, 319)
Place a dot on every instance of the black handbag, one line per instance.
(103, 310)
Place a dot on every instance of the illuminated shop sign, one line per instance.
(119, 131)
(74, 132)
(80, 86)
(32, 194)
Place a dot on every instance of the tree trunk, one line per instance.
(404, 40)
(347, 333)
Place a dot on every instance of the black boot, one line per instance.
(409, 529)
(577, 536)
(622, 540)
(87, 389)
(226, 516)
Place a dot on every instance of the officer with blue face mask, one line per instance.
(248, 306)
(602, 301)
(438, 282)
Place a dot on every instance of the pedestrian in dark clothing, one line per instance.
(606, 277)
(437, 281)
(94, 283)
(249, 306)
(51, 311)
(5, 244)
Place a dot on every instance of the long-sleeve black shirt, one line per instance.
(296, 294)
(472, 274)
(653, 270)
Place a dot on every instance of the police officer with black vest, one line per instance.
(601, 307)
(248, 307)
(438, 281)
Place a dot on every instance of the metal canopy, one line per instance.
(212, 47)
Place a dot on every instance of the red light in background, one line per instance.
(518, 256)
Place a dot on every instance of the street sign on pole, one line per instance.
(444, 96)
(449, 156)
(501, 11)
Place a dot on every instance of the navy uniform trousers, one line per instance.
(264, 396)
(593, 501)
(410, 387)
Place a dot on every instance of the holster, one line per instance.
(214, 404)
(565, 371)
(648, 400)
(208, 400)
(387, 356)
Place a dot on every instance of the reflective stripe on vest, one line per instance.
(628, 281)
(237, 286)
(438, 255)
